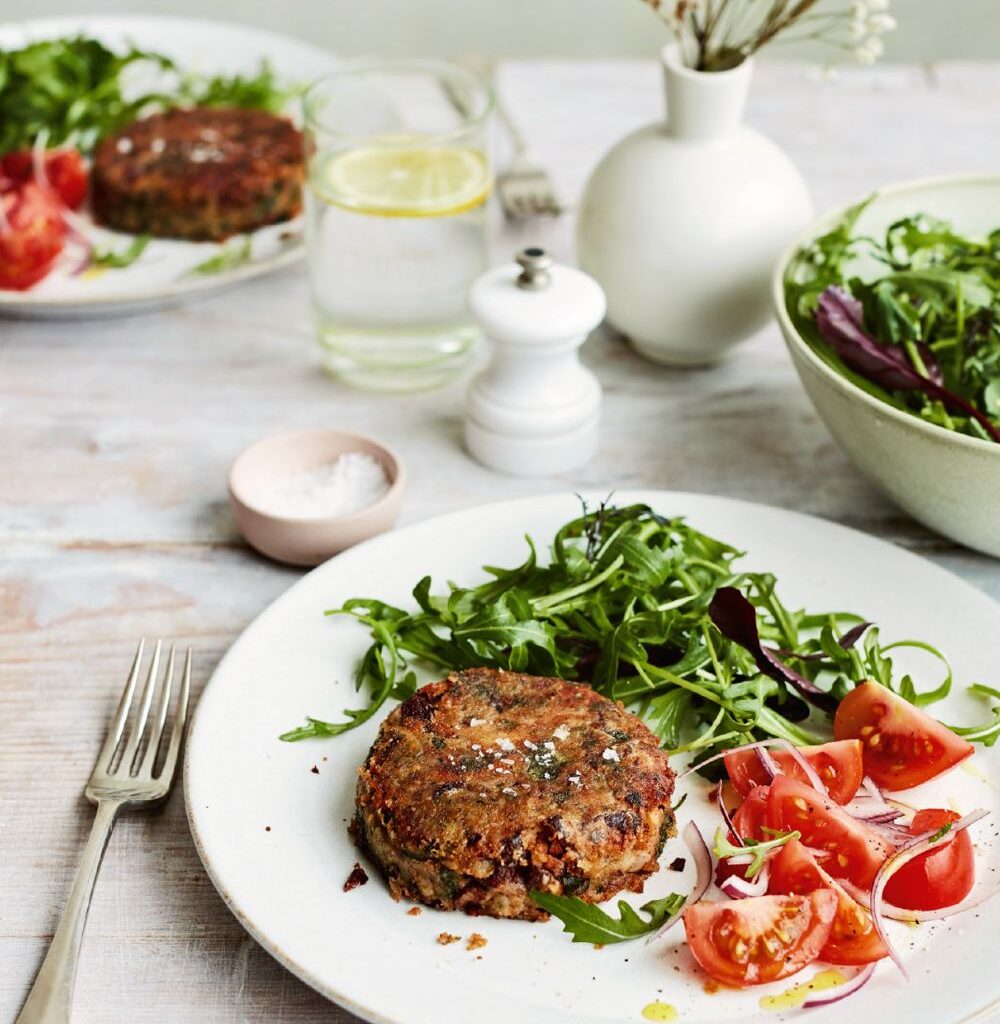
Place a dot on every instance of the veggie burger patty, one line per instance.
(488, 784)
(202, 174)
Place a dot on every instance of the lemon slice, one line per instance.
(400, 180)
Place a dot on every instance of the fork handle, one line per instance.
(51, 995)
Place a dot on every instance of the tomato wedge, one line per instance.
(751, 816)
(749, 820)
(942, 876)
(837, 764)
(760, 939)
(853, 939)
(902, 745)
(856, 852)
(32, 233)
(64, 169)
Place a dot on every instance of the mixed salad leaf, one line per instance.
(76, 90)
(588, 923)
(650, 611)
(923, 332)
(110, 258)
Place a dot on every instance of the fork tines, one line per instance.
(133, 752)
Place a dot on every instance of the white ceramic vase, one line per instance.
(682, 222)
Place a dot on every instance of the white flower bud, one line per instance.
(870, 50)
(881, 23)
(856, 30)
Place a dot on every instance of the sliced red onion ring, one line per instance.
(772, 765)
(810, 773)
(894, 834)
(739, 888)
(702, 857)
(834, 995)
(868, 785)
(768, 763)
(899, 914)
(719, 757)
(724, 811)
(875, 816)
(913, 848)
(75, 224)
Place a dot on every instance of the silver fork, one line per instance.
(525, 188)
(117, 782)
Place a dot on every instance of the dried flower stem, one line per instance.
(715, 35)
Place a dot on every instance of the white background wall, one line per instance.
(929, 29)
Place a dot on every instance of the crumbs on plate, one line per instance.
(446, 938)
(476, 941)
(358, 876)
(415, 911)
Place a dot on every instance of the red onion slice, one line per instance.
(768, 763)
(864, 810)
(916, 846)
(869, 786)
(719, 757)
(724, 811)
(702, 858)
(971, 901)
(810, 773)
(771, 765)
(75, 224)
(834, 995)
(737, 888)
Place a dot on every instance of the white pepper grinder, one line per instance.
(535, 409)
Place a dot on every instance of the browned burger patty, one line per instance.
(487, 784)
(202, 174)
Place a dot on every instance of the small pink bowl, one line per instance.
(311, 540)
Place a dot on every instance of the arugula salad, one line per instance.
(923, 332)
(653, 613)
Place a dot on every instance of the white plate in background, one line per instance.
(161, 275)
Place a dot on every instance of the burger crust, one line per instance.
(488, 784)
(202, 174)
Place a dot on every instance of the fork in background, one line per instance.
(125, 776)
(524, 187)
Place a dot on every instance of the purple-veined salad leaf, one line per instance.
(736, 618)
(839, 319)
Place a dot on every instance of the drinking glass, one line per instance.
(398, 179)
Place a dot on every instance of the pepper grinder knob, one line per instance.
(535, 409)
(534, 264)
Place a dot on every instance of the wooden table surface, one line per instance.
(115, 441)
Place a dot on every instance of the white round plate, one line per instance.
(270, 818)
(163, 275)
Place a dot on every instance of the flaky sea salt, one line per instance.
(347, 485)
